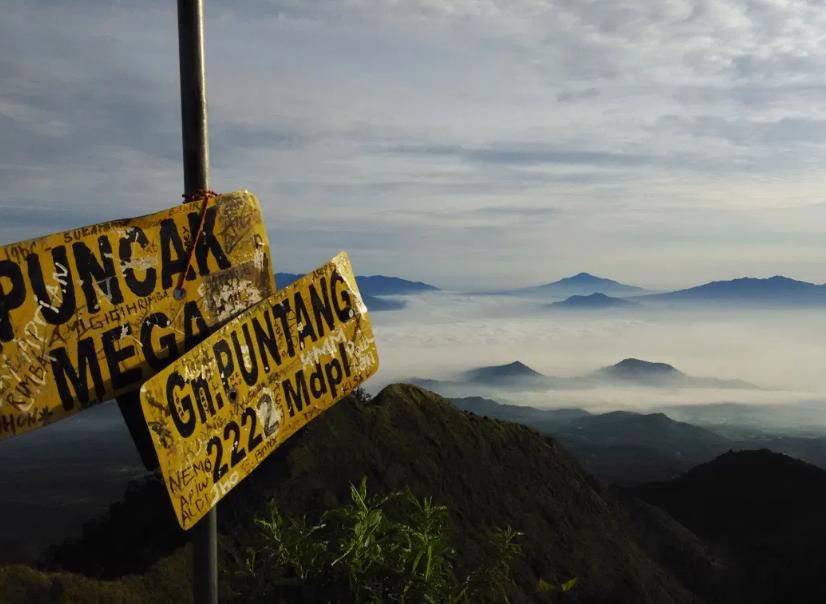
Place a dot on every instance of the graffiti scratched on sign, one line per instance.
(219, 410)
(88, 314)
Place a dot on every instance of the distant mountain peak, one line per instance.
(494, 373)
(632, 364)
(583, 284)
(776, 280)
(638, 370)
(391, 285)
(516, 367)
(776, 290)
(783, 279)
(519, 366)
(642, 372)
(585, 278)
(371, 285)
(597, 300)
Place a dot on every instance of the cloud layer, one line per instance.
(440, 336)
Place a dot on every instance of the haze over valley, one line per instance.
(756, 353)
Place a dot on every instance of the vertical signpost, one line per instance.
(196, 179)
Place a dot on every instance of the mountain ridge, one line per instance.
(659, 374)
(628, 371)
(582, 284)
(370, 285)
(764, 510)
(776, 290)
(488, 473)
(623, 447)
(597, 300)
(513, 371)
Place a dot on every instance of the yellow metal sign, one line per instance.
(219, 410)
(88, 314)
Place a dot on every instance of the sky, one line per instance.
(469, 144)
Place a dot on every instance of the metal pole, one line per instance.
(193, 95)
(196, 178)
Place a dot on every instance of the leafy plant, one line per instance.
(555, 589)
(373, 549)
(297, 543)
(493, 576)
(367, 543)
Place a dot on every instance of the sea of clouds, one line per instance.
(439, 335)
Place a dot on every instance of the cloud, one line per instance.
(750, 132)
(385, 126)
(522, 211)
(577, 95)
(525, 155)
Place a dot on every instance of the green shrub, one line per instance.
(554, 589)
(372, 549)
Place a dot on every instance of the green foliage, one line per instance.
(493, 577)
(294, 540)
(285, 545)
(554, 589)
(373, 549)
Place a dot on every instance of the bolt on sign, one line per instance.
(90, 313)
(219, 410)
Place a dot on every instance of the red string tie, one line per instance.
(206, 195)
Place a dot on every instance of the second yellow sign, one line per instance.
(219, 410)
